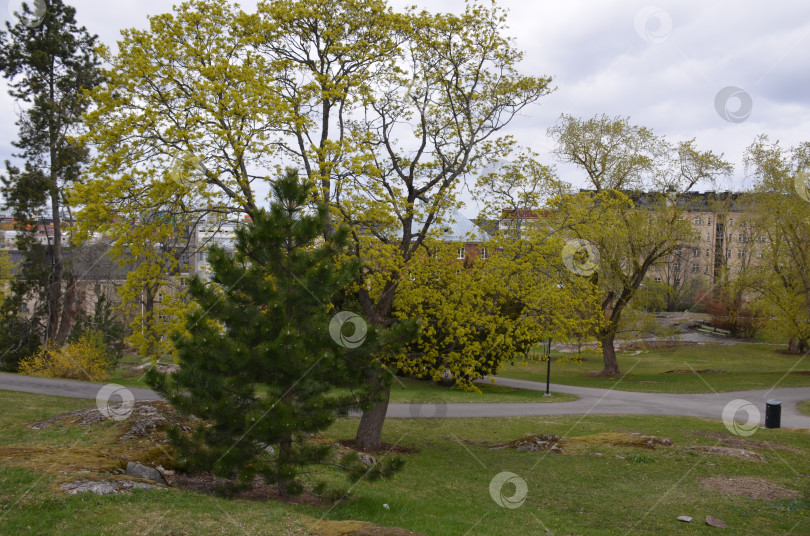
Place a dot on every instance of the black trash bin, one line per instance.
(773, 414)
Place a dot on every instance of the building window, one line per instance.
(159, 297)
(707, 252)
(728, 254)
(731, 222)
(484, 253)
(462, 253)
(695, 268)
(677, 281)
(698, 220)
(709, 222)
(657, 279)
(708, 237)
(695, 253)
(742, 237)
(677, 267)
(762, 238)
(706, 270)
(739, 254)
(697, 237)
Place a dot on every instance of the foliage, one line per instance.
(631, 230)
(258, 359)
(782, 218)
(386, 112)
(102, 321)
(83, 359)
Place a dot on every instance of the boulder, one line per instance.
(147, 473)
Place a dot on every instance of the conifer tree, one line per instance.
(265, 349)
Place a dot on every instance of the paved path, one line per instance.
(591, 401)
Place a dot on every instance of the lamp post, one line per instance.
(548, 367)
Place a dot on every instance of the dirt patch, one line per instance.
(621, 439)
(729, 451)
(534, 443)
(600, 374)
(385, 448)
(355, 528)
(209, 484)
(801, 372)
(553, 443)
(729, 440)
(748, 486)
(696, 371)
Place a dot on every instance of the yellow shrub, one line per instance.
(80, 360)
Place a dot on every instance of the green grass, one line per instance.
(444, 488)
(411, 390)
(743, 366)
(804, 407)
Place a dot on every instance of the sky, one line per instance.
(721, 72)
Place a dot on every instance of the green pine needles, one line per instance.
(258, 365)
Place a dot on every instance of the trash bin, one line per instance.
(773, 414)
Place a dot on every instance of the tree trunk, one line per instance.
(369, 433)
(797, 346)
(284, 453)
(70, 306)
(609, 354)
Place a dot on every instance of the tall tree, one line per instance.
(631, 229)
(260, 360)
(49, 65)
(385, 111)
(781, 205)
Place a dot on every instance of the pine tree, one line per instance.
(49, 62)
(258, 363)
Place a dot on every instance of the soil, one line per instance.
(729, 440)
(749, 486)
(386, 448)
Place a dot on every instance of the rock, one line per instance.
(147, 473)
(714, 522)
(368, 460)
(728, 451)
(685, 519)
(90, 486)
(105, 487)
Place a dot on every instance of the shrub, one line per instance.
(85, 359)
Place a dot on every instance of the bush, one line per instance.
(85, 359)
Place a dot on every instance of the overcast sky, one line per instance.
(661, 64)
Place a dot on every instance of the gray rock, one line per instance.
(685, 519)
(147, 473)
(105, 487)
(714, 522)
(368, 460)
(89, 486)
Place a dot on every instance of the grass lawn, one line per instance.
(804, 407)
(411, 390)
(735, 367)
(444, 489)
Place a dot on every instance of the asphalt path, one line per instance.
(749, 404)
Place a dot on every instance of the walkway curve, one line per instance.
(591, 401)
